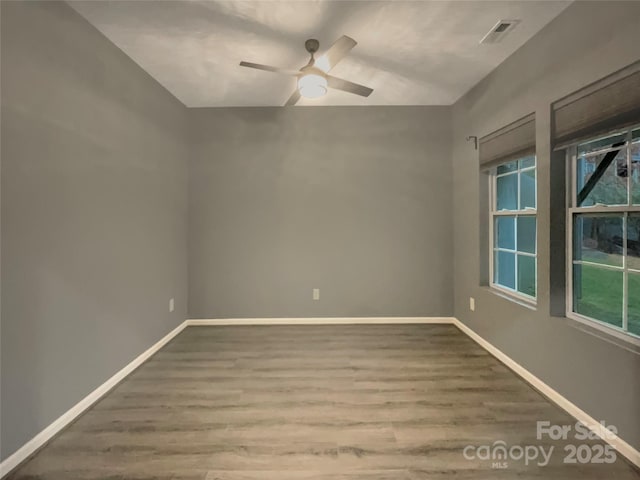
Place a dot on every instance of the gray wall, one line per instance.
(587, 41)
(352, 200)
(94, 178)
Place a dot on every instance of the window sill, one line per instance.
(603, 332)
(513, 297)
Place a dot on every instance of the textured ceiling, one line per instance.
(410, 53)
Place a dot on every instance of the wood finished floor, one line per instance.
(340, 402)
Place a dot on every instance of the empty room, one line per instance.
(320, 240)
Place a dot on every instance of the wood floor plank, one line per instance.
(339, 402)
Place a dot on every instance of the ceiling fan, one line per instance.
(314, 78)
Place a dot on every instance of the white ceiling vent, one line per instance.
(499, 31)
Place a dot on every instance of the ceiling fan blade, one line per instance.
(336, 52)
(269, 68)
(293, 99)
(347, 86)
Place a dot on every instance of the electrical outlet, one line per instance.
(171, 305)
(316, 294)
(472, 304)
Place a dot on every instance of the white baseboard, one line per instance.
(70, 415)
(618, 443)
(45, 435)
(204, 322)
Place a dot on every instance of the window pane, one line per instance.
(597, 293)
(527, 275)
(505, 232)
(527, 162)
(505, 269)
(598, 238)
(635, 173)
(611, 188)
(633, 241)
(527, 234)
(528, 189)
(601, 143)
(507, 193)
(507, 167)
(633, 312)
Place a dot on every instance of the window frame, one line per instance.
(573, 210)
(494, 214)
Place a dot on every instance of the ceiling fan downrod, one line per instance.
(312, 45)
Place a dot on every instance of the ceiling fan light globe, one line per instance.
(312, 85)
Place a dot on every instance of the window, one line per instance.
(513, 228)
(604, 226)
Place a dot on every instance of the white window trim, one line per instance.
(507, 292)
(572, 157)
